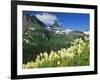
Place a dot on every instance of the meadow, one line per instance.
(59, 51)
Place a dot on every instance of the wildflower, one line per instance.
(79, 51)
(26, 33)
(45, 55)
(38, 57)
(41, 55)
(58, 62)
(27, 41)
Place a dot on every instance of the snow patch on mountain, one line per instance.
(86, 32)
(60, 31)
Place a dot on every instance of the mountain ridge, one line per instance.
(33, 22)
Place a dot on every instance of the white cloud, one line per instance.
(47, 18)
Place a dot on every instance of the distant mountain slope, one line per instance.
(32, 22)
(32, 27)
(76, 33)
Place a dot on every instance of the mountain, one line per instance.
(30, 21)
(55, 25)
(76, 33)
(32, 27)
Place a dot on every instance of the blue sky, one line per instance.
(73, 21)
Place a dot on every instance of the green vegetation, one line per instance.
(77, 54)
(38, 44)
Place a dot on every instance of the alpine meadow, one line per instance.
(55, 39)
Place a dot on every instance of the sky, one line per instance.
(73, 21)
